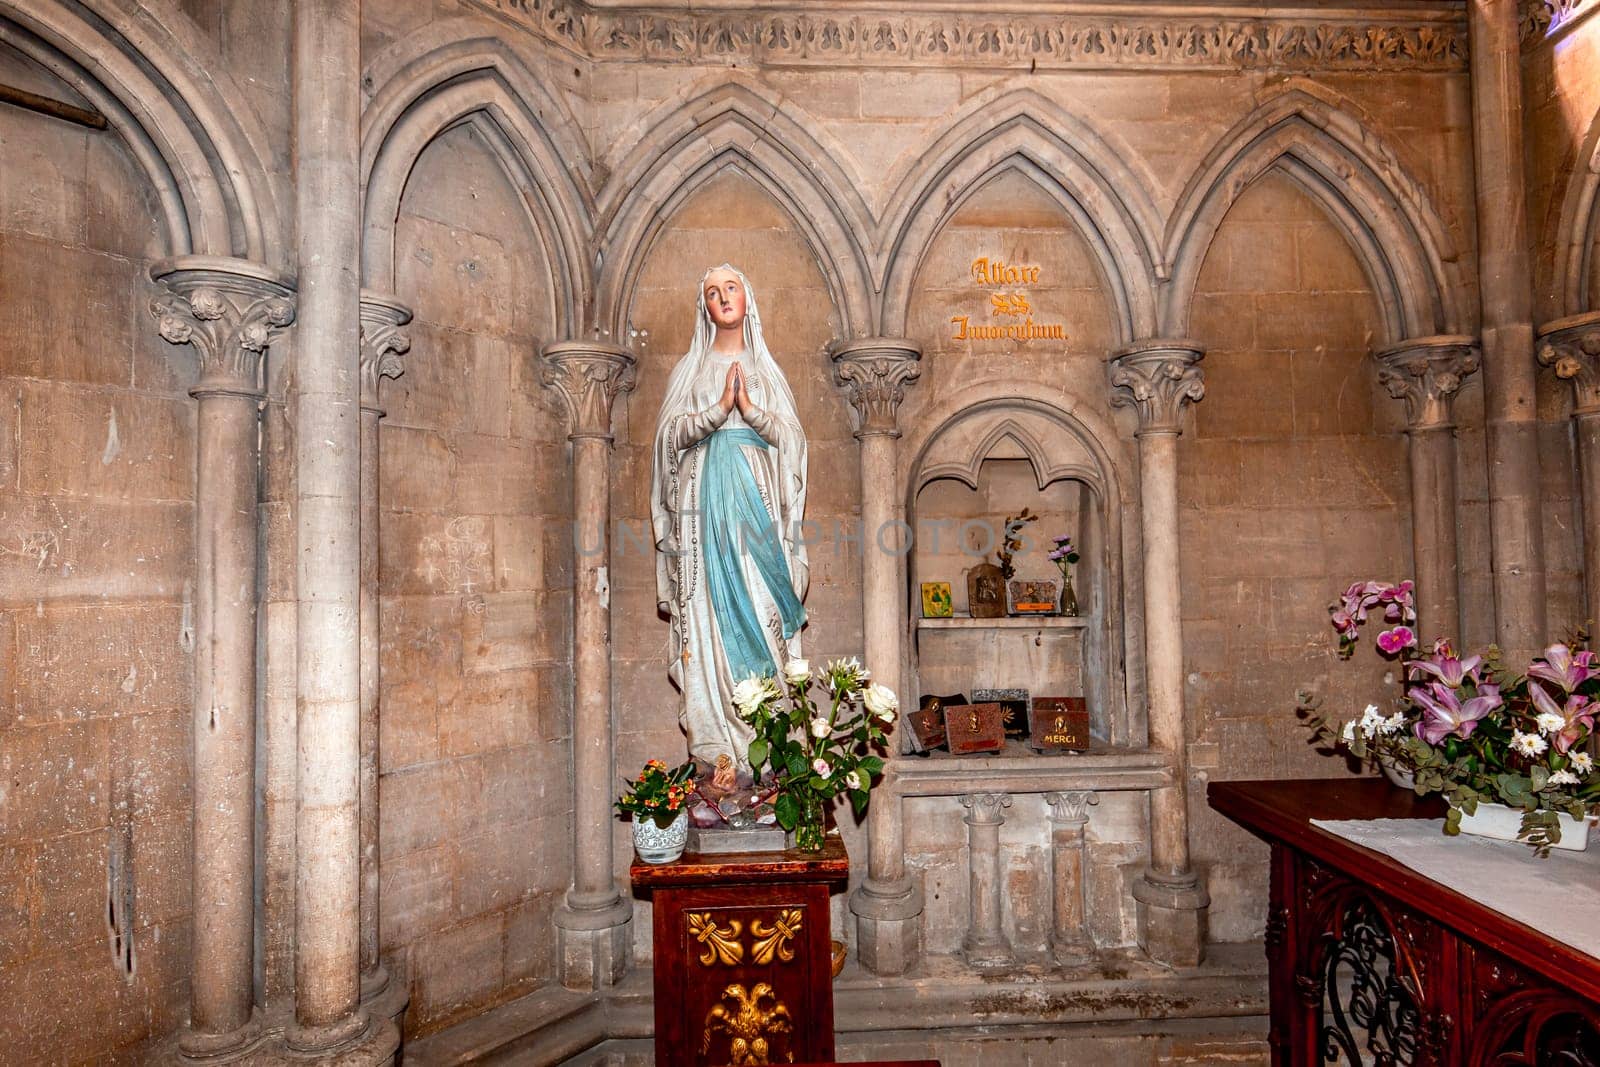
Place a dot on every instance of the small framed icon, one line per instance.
(936, 600)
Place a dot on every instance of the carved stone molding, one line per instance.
(1427, 372)
(1071, 807)
(876, 371)
(382, 343)
(229, 310)
(1541, 18)
(588, 376)
(1128, 35)
(1571, 347)
(1156, 378)
(985, 809)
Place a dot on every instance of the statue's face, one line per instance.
(725, 299)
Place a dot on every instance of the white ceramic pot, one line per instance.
(660, 844)
(1397, 775)
(1503, 823)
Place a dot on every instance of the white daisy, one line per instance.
(1528, 744)
(1582, 762)
(1562, 778)
(1549, 722)
(1349, 731)
(1393, 723)
(1371, 720)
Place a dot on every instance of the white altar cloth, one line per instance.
(1559, 896)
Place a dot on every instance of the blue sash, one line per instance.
(735, 521)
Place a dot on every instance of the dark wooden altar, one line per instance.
(743, 960)
(1372, 962)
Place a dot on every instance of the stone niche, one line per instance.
(987, 462)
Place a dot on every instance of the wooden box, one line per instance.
(1013, 708)
(743, 960)
(1059, 724)
(974, 728)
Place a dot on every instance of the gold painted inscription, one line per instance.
(1009, 303)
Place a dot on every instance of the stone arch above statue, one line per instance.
(1404, 246)
(431, 82)
(1577, 266)
(1024, 132)
(1062, 442)
(167, 96)
(734, 126)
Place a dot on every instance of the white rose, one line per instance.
(881, 701)
(748, 694)
(820, 727)
(820, 765)
(853, 780)
(797, 671)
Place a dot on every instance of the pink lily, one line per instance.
(1577, 713)
(1564, 667)
(1443, 712)
(1444, 666)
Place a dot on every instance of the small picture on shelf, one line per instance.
(1059, 724)
(972, 728)
(936, 600)
(927, 722)
(1032, 596)
(1013, 708)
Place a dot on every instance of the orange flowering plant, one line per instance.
(659, 793)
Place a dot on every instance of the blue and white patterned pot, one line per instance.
(656, 844)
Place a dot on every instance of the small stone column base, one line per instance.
(594, 943)
(1172, 919)
(888, 925)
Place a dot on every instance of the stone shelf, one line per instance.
(1019, 769)
(1009, 622)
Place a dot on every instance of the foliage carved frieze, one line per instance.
(1541, 18)
(820, 36)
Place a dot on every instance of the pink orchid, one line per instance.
(1392, 641)
(1343, 622)
(1577, 714)
(1444, 666)
(1444, 713)
(1564, 667)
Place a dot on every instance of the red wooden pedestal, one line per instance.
(743, 960)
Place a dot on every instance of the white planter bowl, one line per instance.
(1503, 823)
(660, 844)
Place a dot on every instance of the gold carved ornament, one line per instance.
(774, 939)
(719, 944)
(750, 1018)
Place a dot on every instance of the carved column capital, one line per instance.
(1072, 807)
(985, 809)
(1156, 378)
(229, 310)
(1427, 372)
(875, 370)
(1571, 347)
(588, 376)
(382, 343)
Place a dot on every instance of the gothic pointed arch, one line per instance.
(1022, 131)
(164, 91)
(1405, 248)
(734, 125)
(1578, 230)
(455, 73)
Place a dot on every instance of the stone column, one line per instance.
(229, 311)
(887, 904)
(1505, 285)
(1571, 347)
(1069, 930)
(327, 418)
(1426, 373)
(985, 944)
(593, 920)
(382, 345)
(1157, 378)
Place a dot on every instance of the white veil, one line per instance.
(778, 401)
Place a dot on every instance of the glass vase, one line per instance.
(810, 826)
(1069, 599)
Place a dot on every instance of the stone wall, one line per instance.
(96, 573)
(476, 558)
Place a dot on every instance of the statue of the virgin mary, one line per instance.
(729, 491)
